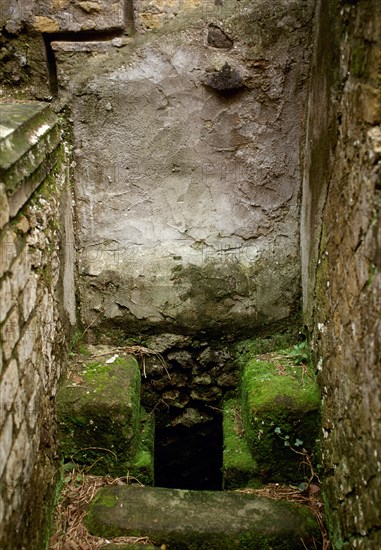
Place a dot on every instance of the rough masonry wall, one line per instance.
(36, 309)
(341, 245)
(48, 16)
(27, 27)
(187, 167)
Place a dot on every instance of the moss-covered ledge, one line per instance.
(239, 468)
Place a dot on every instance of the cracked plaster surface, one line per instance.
(179, 187)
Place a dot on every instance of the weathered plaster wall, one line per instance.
(187, 168)
(341, 245)
(36, 310)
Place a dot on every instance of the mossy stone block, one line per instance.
(239, 467)
(99, 416)
(202, 520)
(281, 415)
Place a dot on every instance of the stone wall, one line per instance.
(37, 309)
(187, 181)
(52, 16)
(187, 168)
(341, 246)
(189, 220)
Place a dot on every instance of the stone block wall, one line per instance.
(48, 16)
(341, 250)
(36, 311)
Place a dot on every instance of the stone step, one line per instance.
(202, 520)
(281, 415)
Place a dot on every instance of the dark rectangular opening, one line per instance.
(189, 457)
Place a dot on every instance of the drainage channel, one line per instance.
(189, 457)
(185, 399)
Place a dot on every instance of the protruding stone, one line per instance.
(218, 39)
(225, 79)
(45, 24)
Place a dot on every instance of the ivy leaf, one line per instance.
(298, 442)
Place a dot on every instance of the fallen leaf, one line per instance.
(313, 489)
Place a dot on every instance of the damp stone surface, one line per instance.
(99, 416)
(202, 520)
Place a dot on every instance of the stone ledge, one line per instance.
(239, 467)
(281, 414)
(29, 134)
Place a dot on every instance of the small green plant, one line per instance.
(299, 353)
(306, 459)
(286, 439)
(74, 342)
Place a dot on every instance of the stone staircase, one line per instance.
(269, 429)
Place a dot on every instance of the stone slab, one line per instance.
(202, 520)
(189, 221)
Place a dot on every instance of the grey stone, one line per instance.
(191, 417)
(28, 135)
(182, 358)
(217, 38)
(204, 520)
(164, 342)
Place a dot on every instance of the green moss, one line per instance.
(99, 419)
(359, 59)
(83, 350)
(142, 466)
(247, 349)
(332, 522)
(108, 501)
(239, 467)
(277, 380)
(281, 413)
(49, 524)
